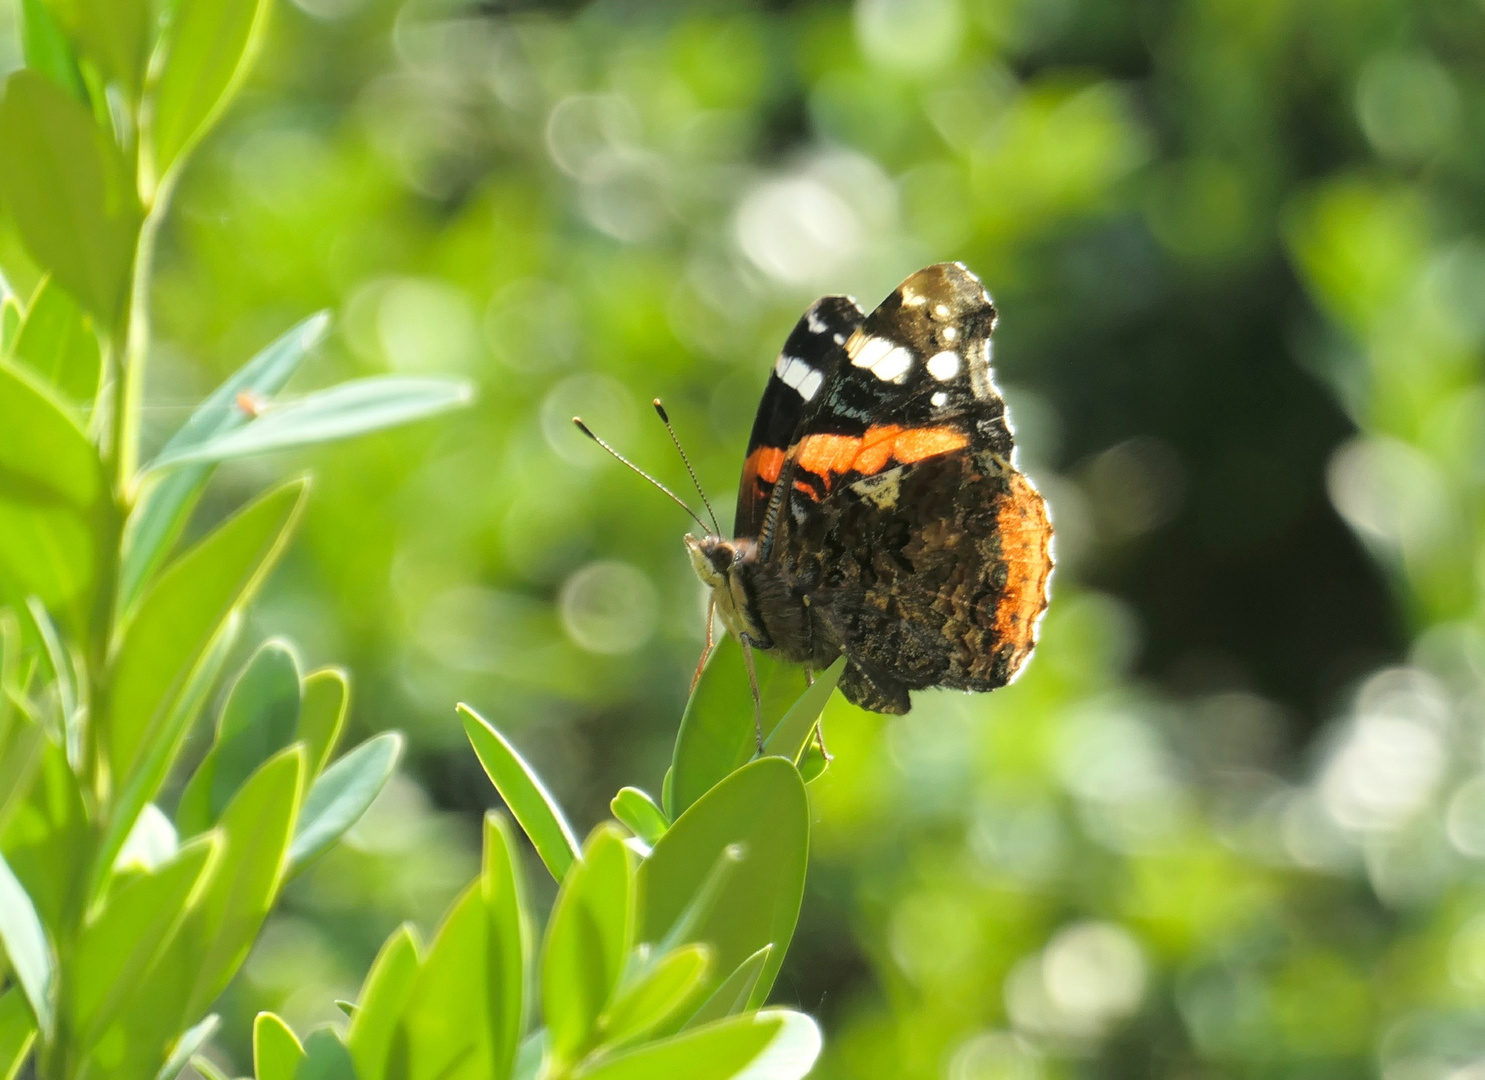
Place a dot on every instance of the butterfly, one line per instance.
(880, 514)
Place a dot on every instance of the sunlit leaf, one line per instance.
(792, 735)
(588, 938)
(56, 341)
(325, 1058)
(210, 45)
(17, 1032)
(352, 408)
(528, 799)
(326, 698)
(760, 809)
(718, 732)
(444, 1030)
(167, 501)
(774, 1044)
(388, 985)
(186, 1047)
(639, 814)
(666, 988)
(276, 1050)
(342, 794)
(120, 943)
(736, 991)
(69, 191)
(56, 516)
(180, 616)
(46, 49)
(503, 886)
(26, 947)
(116, 35)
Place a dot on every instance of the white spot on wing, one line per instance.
(817, 324)
(912, 299)
(943, 366)
(893, 366)
(939, 399)
(941, 310)
(781, 365)
(809, 386)
(870, 351)
(950, 332)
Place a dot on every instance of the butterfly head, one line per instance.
(721, 565)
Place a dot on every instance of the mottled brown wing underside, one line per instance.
(934, 574)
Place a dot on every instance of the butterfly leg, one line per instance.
(711, 613)
(757, 699)
(820, 741)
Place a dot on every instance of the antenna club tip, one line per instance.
(578, 421)
(659, 408)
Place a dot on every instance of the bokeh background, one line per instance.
(1230, 822)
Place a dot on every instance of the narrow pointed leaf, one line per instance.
(56, 341)
(588, 938)
(17, 1032)
(353, 408)
(388, 985)
(504, 892)
(655, 997)
(326, 698)
(792, 736)
(186, 1047)
(444, 1030)
(774, 1044)
(26, 947)
(45, 48)
(342, 794)
(529, 801)
(733, 995)
(161, 513)
(325, 1058)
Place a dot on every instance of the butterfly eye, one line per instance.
(721, 557)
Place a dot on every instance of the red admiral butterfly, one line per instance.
(880, 514)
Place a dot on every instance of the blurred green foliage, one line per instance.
(1230, 820)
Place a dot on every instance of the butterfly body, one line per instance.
(880, 514)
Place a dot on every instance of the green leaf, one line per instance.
(774, 1044)
(761, 809)
(10, 322)
(56, 341)
(588, 939)
(347, 1007)
(352, 408)
(26, 947)
(444, 1031)
(659, 994)
(388, 985)
(733, 995)
(639, 814)
(257, 826)
(115, 34)
(276, 1050)
(207, 1068)
(161, 754)
(56, 515)
(179, 617)
(325, 1058)
(69, 191)
(717, 732)
(17, 1032)
(20, 756)
(161, 512)
(326, 698)
(151, 843)
(535, 809)
(504, 891)
(62, 676)
(122, 941)
(339, 797)
(258, 720)
(791, 737)
(49, 840)
(210, 45)
(46, 49)
(186, 1047)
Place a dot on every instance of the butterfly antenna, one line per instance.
(665, 419)
(586, 430)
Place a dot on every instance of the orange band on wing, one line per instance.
(881, 446)
(765, 463)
